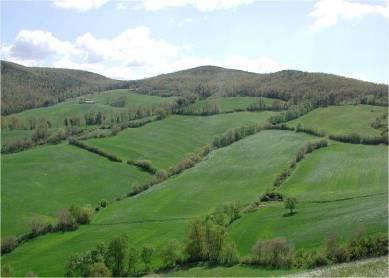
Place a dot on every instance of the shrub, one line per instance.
(233, 210)
(275, 253)
(8, 244)
(17, 145)
(99, 270)
(172, 253)
(57, 137)
(66, 221)
(7, 271)
(145, 165)
(115, 130)
(147, 252)
(271, 196)
(229, 254)
(38, 225)
(132, 260)
(103, 203)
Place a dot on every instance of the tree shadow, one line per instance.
(288, 214)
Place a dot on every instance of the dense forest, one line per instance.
(30, 87)
(287, 84)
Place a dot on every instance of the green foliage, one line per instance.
(290, 204)
(116, 255)
(8, 244)
(147, 252)
(271, 196)
(133, 258)
(99, 270)
(229, 255)
(274, 253)
(172, 253)
(7, 271)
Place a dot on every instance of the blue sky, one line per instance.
(141, 38)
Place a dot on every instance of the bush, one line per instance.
(290, 204)
(271, 196)
(274, 253)
(57, 137)
(103, 203)
(17, 145)
(7, 271)
(229, 254)
(145, 165)
(8, 244)
(99, 270)
(115, 130)
(147, 252)
(172, 253)
(66, 221)
(95, 150)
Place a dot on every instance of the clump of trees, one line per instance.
(271, 196)
(273, 253)
(204, 108)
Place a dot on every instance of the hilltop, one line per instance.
(31, 87)
(210, 80)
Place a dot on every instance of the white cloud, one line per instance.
(79, 5)
(328, 13)
(134, 53)
(152, 5)
(201, 5)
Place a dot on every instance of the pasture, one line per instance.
(339, 120)
(44, 180)
(169, 141)
(161, 213)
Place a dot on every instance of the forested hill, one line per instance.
(30, 87)
(286, 84)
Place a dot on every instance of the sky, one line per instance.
(141, 38)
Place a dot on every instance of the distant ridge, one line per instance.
(30, 87)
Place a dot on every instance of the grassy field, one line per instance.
(340, 189)
(227, 104)
(239, 172)
(46, 179)
(343, 119)
(167, 142)
(57, 113)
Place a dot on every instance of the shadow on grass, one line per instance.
(288, 214)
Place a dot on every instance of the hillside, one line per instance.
(31, 87)
(286, 84)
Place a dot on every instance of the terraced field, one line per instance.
(341, 120)
(46, 179)
(193, 193)
(167, 142)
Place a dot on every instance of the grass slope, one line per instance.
(44, 180)
(343, 119)
(57, 113)
(167, 142)
(239, 172)
(341, 171)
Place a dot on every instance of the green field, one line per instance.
(239, 172)
(228, 104)
(340, 189)
(167, 142)
(57, 113)
(46, 179)
(345, 119)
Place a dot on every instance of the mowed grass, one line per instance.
(228, 104)
(169, 141)
(340, 189)
(345, 119)
(46, 179)
(240, 172)
(57, 113)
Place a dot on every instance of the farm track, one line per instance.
(143, 221)
(344, 199)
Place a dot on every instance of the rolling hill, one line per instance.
(30, 87)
